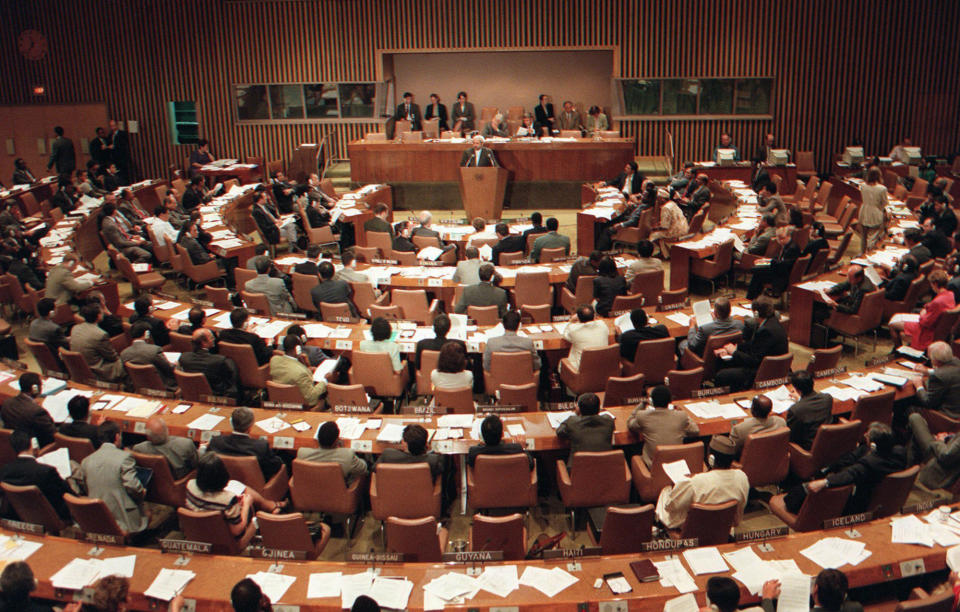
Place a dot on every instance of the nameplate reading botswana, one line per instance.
(375, 557)
(850, 519)
(185, 547)
(344, 408)
(572, 553)
(761, 534)
(655, 545)
(472, 557)
(22, 526)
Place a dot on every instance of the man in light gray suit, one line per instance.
(760, 421)
(109, 474)
(483, 293)
(61, 284)
(92, 342)
(697, 336)
(132, 246)
(273, 288)
(762, 236)
(468, 270)
(510, 342)
(42, 329)
(142, 351)
(180, 453)
(550, 240)
(328, 436)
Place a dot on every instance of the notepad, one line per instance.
(206, 422)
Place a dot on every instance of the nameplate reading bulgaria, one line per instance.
(472, 556)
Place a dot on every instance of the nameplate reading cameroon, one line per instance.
(850, 519)
(472, 556)
(655, 545)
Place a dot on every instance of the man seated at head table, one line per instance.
(662, 425)
(483, 293)
(569, 118)
(180, 453)
(544, 114)
(495, 128)
(491, 430)
(328, 437)
(221, 372)
(587, 430)
(527, 127)
(726, 142)
(409, 111)
(463, 114)
(510, 342)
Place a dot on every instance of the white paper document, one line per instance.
(702, 312)
(391, 593)
(324, 585)
(273, 425)
(500, 580)
(911, 530)
(273, 585)
(391, 432)
(549, 582)
(831, 553)
(205, 422)
(677, 470)
(794, 593)
(59, 459)
(684, 603)
(451, 585)
(168, 583)
(673, 574)
(705, 560)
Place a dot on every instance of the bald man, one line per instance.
(221, 372)
(179, 452)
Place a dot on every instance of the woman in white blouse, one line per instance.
(452, 372)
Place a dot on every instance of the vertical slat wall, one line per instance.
(870, 69)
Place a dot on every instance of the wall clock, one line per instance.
(32, 44)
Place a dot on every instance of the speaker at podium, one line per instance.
(482, 190)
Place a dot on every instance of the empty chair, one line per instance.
(824, 359)
(683, 383)
(509, 368)
(391, 313)
(520, 395)
(766, 457)
(675, 296)
(77, 367)
(180, 343)
(320, 487)
(501, 481)
(532, 289)
(817, 507)
(830, 443)
(220, 296)
(456, 401)
(48, 362)
(414, 305)
(210, 526)
(404, 491)
(625, 529)
(346, 395)
(596, 366)
(626, 303)
(93, 516)
(535, 314)
(623, 391)
(368, 254)
(891, 493)
(77, 448)
(420, 540)
(194, 386)
(649, 284)
(290, 532)
(163, 488)
(549, 255)
(246, 469)
(483, 315)
(32, 506)
(593, 479)
(874, 407)
(286, 394)
(504, 533)
(654, 358)
(583, 294)
(145, 377)
(710, 524)
(650, 481)
(773, 367)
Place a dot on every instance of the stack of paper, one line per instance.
(679, 318)
(12, 549)
(500, 580)
(168, 583)
(273, 425)
(79, 573)
(711, 410)
(556, 418)
(753, 571)
(56, 404)
(549, 582)
(391, 433)
(843, 394)
(452, 586)
(673, 574)
(455, 420)
(59, 459)
(684, 603)
(350, 427)
(705, 560)
(273, 585)
(831, 553)
(911, 530)
(781, 398)
(863, 383)
(391, 592)
(677, 470)
(324, 585)
(205, 422)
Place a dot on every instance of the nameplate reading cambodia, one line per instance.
(774, 382)
(181, 547)
(572, 553)
(655, 545)
(850, 519)
(472, 557)
(22, 526)
(761, 534)
(375, 557)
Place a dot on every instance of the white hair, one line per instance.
(425, 217)
(940, 352)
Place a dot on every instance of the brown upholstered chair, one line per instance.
(47, 361)
(414, 305)
(626, 303)
(596, 366)
(910, 299)
(286, 394)
(484, 315)
(145, 377)
(405, 258)
(830, 443)
(501, 481)
(375, 372)
(710, 269)
(335, 312)
(937, 421)
(210, 526)
(504, 533)
(455, 401)
(773, 367)
(320, 487)
(648, 482)
(391, 313)
(32, 506)
(346, 395)
(535, 314)
(805, 165)
(674, 296)
(623, 391)
(512, 368)
(766, 457)
(654, 358)
(649, 284)
(824, 359)
(890, 494)
(510, 259)
(683, 383)
(77, 367)
(290, 532)
(256, 302)
(921, 601)
(625, 529)
(817, 507)
(252, 376)
(709, 361)
(246, 469)
(367, 254)
(583, 294)
(199, 274)
(180, 343)
(93, 516)
(163, 488)
(532, 289)
(194, 386)
(549, 255)
(404, 491)
(420, 540)
(710, 524)
(6, 451)
(242, 275)
(220, 296)
(874, 407)
(302, 284)
(381, 241)
(594, 479)
(364, 297)
(78, 448)
(520, 395)
(140, 281)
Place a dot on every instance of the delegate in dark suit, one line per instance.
(942, 467)
(396, 455)
(464, 113)
(158, 329)
(241, 336)
(769, 339)
(62, 155)
(142, 353)
(438, 111)
(470, 159)
(943, 389)
(46, 331)
(377, 224)
(630, 339)
(504, 448)
(25, 471)
(267, 224)
(333, 292)
(510, 244)
(543, 115)
(697, 336)
(239, 445)
(410, 112)
(635, 178)
(220, 372)
(482, 294)
(81, 430)
(592, 433)
(806, 416)
(777, 274)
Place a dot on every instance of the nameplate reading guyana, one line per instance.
(472, 557)
(655, 545)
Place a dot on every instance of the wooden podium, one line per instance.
(482, 190)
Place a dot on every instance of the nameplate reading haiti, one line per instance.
(472, 557)
(655, 545)
(850, 519)
(572, 553)
(181, 547)
(761, 534)
(22, 526)
(375, 557)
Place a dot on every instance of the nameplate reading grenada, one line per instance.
(850, 519)
(104, 538)
(655, 545)
(22, 526)
(375, 557)
(572, 553)
(472, 557)
(188, 547)
(761, 534)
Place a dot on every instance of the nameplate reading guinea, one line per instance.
(22, 526)
(472, 556)
(761, 534)
(572, 553)
(280, 554)
(375, 557)
(850, 519)
(185, 547)
(655, 545)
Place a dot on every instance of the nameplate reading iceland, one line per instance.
(761, 534)
(850, 519)
(572, 553)
(655, 545)
(375, 557)
(185, 547)
(472, 557)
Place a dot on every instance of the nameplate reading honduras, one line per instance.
(472, 557)
(850, 519)
(655, 545)
(185, 546)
